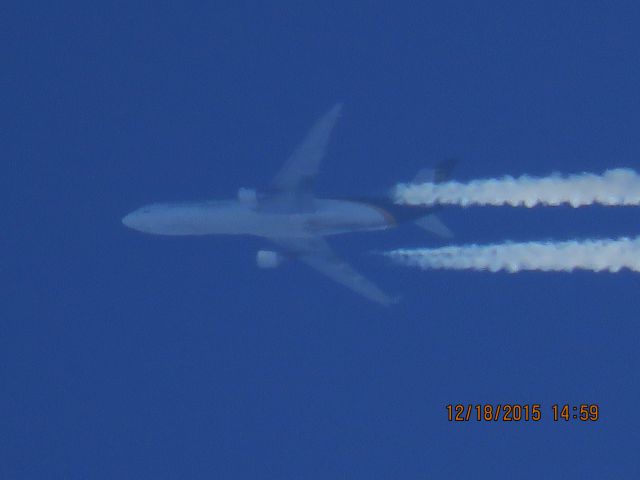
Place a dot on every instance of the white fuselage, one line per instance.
(233, 217)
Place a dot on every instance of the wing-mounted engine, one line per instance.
(268, 259)
(248, 196)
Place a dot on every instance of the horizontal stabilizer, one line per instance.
(434, 225)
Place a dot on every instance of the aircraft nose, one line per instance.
(128, 220)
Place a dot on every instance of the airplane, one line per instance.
(290, 216)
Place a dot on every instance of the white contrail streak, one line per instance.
(614, 187)
(595, 255)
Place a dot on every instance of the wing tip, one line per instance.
(335, 110)
(390, 301)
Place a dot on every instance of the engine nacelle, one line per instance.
(268, 259)
(248, 196)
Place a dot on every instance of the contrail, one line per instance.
(596, 255)
(614, 187)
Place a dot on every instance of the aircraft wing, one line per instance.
(315, 252)
(292, 187)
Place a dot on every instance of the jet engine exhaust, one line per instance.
(595, 255)
(617, 187)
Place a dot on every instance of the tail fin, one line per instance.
(440, 174)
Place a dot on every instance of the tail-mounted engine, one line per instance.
(248, 196)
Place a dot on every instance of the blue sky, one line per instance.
(131, 356)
